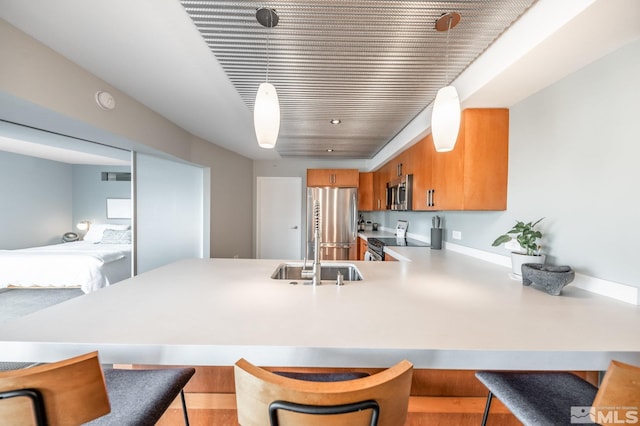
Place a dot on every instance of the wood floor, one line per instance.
(438, 398)
(219, 409)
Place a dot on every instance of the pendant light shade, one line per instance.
(266, 110)
(445, 116)
(266, 116)
(445, 119)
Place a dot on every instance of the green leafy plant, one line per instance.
(525, 235)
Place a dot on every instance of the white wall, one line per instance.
(573, 160)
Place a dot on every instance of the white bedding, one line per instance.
(81, 264)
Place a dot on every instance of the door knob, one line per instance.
(294, 227)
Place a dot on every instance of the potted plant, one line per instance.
(527, 236)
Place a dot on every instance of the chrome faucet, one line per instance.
(317, 268)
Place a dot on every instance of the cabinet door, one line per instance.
(389, 258)
(448, 177)
(319, 177)
(362, 248)
(486, 134)
(384, 175)
(345, 177)
(365, 191)
(378, 191)
(409, 160)
(396, 166)
(474, 175)
(422, 154)
(333, 177)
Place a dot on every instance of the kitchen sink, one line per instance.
(328, 272)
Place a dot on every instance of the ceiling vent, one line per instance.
(116, 176)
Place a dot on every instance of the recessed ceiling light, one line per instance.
(330, 150)
(335, 121)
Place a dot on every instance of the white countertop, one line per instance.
(442, 310)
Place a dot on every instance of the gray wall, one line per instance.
(40, 88)
(169, 218)
(36, 201)
(573, 160)
(297, 168)
(90, 193)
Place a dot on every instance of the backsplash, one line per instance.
(419, 222)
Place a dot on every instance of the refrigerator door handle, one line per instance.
(354, 219)
(335, 245)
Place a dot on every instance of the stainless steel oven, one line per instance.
(375, 250)
(375, 246)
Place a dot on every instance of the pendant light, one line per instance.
(445, 116)
(266, 110)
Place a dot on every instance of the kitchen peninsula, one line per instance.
(442, 310)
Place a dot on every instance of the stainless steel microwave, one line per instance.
(399, 193)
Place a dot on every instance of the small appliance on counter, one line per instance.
(401, 229)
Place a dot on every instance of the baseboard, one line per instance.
(622, 292)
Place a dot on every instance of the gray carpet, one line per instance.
(18, 302)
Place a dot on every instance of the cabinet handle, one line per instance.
(433, 198)
(430, 198)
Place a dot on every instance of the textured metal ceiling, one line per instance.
(374, 65)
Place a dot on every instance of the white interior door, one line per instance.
(279, 212)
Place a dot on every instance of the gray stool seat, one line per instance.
(4, 366)
(538, 398)
(140, 397)
(323, 377)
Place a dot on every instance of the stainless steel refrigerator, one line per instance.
(338, 222)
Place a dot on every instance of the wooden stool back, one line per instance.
(257, 388)
(73, 392)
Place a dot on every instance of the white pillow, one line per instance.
(115, 236)
(95, 232)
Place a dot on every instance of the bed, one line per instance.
(87, 264)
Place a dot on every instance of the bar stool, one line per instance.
(561, 398)
(77, 390)
(538, 398)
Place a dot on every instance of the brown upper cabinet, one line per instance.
(365, 191)
(333, 177)
(474, 175)
(380, 179)
(471, 177)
